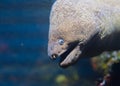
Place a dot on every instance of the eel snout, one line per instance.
(54, 56)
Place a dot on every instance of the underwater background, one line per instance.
(24, 26)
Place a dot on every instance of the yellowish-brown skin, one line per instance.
(80, 20)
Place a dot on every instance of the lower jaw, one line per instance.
(71, 48)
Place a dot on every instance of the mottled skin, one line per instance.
(93, 24)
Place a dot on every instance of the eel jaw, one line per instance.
(70, 56)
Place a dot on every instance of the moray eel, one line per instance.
(83, 28)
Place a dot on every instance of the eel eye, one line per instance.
(61, 41)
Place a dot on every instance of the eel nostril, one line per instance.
(54, 56)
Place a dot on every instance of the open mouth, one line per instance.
(67, 58)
